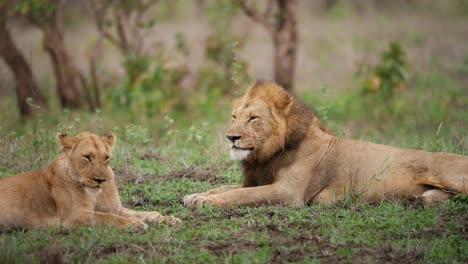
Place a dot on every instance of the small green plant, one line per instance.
(223, 68)
(322, 110)
(239, 73)
(196, 134)
(221, 75)
(223, 71)
(389, 76)
(135, 66)
(137, 135)
(438, 144)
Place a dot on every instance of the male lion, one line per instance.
(287, 157)
(78, 188)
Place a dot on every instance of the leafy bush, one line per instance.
(380, 83)
(37, 9)
(222, 74)
(150, 86)
(223, 68)
(389, 75)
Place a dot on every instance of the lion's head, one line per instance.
(87, 157)
(266, 120)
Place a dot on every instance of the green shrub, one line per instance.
(223, 69)
(150, 86)
(389, 76)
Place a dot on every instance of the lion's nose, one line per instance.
(233, 138)
(99, 180)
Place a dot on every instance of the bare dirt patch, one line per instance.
(152, 155)
(193, 172)
(293, 241)
(233, 246)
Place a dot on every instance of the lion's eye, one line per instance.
(233, 117)
(106, 158)
(252, 118)
(87, 157)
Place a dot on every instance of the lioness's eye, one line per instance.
(252, 118)
(106, 158)
(233, 117)
(87, 157)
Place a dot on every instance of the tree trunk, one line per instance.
(96, 84)
(26, 86)
(285, 39)
(200, 8)
(67, 76)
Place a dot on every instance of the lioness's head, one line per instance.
(259, 121)
(87, 157)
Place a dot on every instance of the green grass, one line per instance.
(155, 170)
(154, 173)
(158, 160)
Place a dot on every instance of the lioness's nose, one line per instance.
(233, 137)
(99, 180)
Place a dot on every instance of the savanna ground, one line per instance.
(160, 158)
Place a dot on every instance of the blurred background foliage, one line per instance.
(162, 75)
(373, 69)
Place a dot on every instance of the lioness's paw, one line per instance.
(188, 199)
(136, 224)
(157, 218)
(153, 218)
(171, 221)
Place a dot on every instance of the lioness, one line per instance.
(78, 188)
(287, 157)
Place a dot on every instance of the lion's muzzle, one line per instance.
(233, 138)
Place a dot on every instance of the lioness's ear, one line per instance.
(109, 139)
(236, 103)
(66, 142)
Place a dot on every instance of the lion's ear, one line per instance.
(66, 142)
(284, 103)
(109, 139)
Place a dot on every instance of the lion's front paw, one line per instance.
(136, 224)
(200, 201)
(188, 199)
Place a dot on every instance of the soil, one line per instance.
(193, 172)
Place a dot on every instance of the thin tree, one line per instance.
(25, 84)
(122, 23)
(48, 16)
(279, 19)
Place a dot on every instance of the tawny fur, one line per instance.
(76, 189)
(289, 157)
